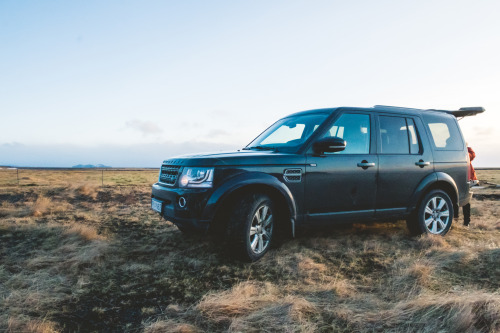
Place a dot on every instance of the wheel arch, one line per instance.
(436, 181)
(256, 182)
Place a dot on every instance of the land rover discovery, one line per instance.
(322, 166)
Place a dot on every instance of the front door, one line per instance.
(342, 186)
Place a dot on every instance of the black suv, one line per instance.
(323, 166)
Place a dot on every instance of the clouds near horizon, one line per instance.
(136, 156)
(145, 155)
(145, 127)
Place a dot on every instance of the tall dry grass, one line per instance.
(41, 206)
(251, 306)
(98, 259)
(451, 312)
(32, 326)
(41, 268)
(88, 190)
(163, 326)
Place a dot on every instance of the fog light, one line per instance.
(182, 202)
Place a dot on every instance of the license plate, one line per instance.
(156, 205)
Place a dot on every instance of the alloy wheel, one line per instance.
(261, 229)
(436, 215)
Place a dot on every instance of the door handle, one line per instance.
(421, 163)
(365, 164)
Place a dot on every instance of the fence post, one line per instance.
(17, 169)
(102, 178)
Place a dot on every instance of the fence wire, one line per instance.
(67, 177)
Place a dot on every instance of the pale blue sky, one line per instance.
(103, 78)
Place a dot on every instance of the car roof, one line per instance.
(462, 112)
(314, 111)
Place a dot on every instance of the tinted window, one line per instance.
(288, 133)
(355, 130)
(285, 134)
(444, 132)
(413, 136)
(393, 135)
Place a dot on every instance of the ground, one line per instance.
(79, 256)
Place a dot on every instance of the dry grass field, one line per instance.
(68, 177)
(75, 256)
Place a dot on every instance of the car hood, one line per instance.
(236, 158)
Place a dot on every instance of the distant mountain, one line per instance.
(89, 166)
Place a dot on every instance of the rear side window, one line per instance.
(398, 135)
(393, 135)
(444, 132)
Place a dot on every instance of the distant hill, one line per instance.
(89, 166)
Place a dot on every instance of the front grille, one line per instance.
(169, 174)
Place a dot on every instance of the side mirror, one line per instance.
(329, 145)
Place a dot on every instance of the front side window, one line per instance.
(354, 128)
(288, 134)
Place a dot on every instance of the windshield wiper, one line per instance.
(261, 148)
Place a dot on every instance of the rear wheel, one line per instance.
(251, 226)
(434, 214)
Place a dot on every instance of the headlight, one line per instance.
(197, 177)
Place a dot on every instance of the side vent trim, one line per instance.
(293, 175)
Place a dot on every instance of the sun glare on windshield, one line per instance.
(288, 134)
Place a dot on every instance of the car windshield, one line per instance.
(289, 133)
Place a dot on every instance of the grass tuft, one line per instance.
(41, 206)
(241, 299)
(171, 327)
(432, 242)
(88, 191)
(468, 312)
(86, 232)
(31, 326)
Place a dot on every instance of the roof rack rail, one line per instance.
(393, 107)
(460, 113)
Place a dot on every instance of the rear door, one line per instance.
(405, 159)
(450, 151)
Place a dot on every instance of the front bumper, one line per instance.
(189, 216)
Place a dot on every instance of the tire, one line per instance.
(251, 226)
(184, 230)
(434, 214)
(188, 231)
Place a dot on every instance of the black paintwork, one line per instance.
(333, 187)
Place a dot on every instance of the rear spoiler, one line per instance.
(465, 112)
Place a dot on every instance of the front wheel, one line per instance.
(434, 214)
(187, 231)
(251, 226)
